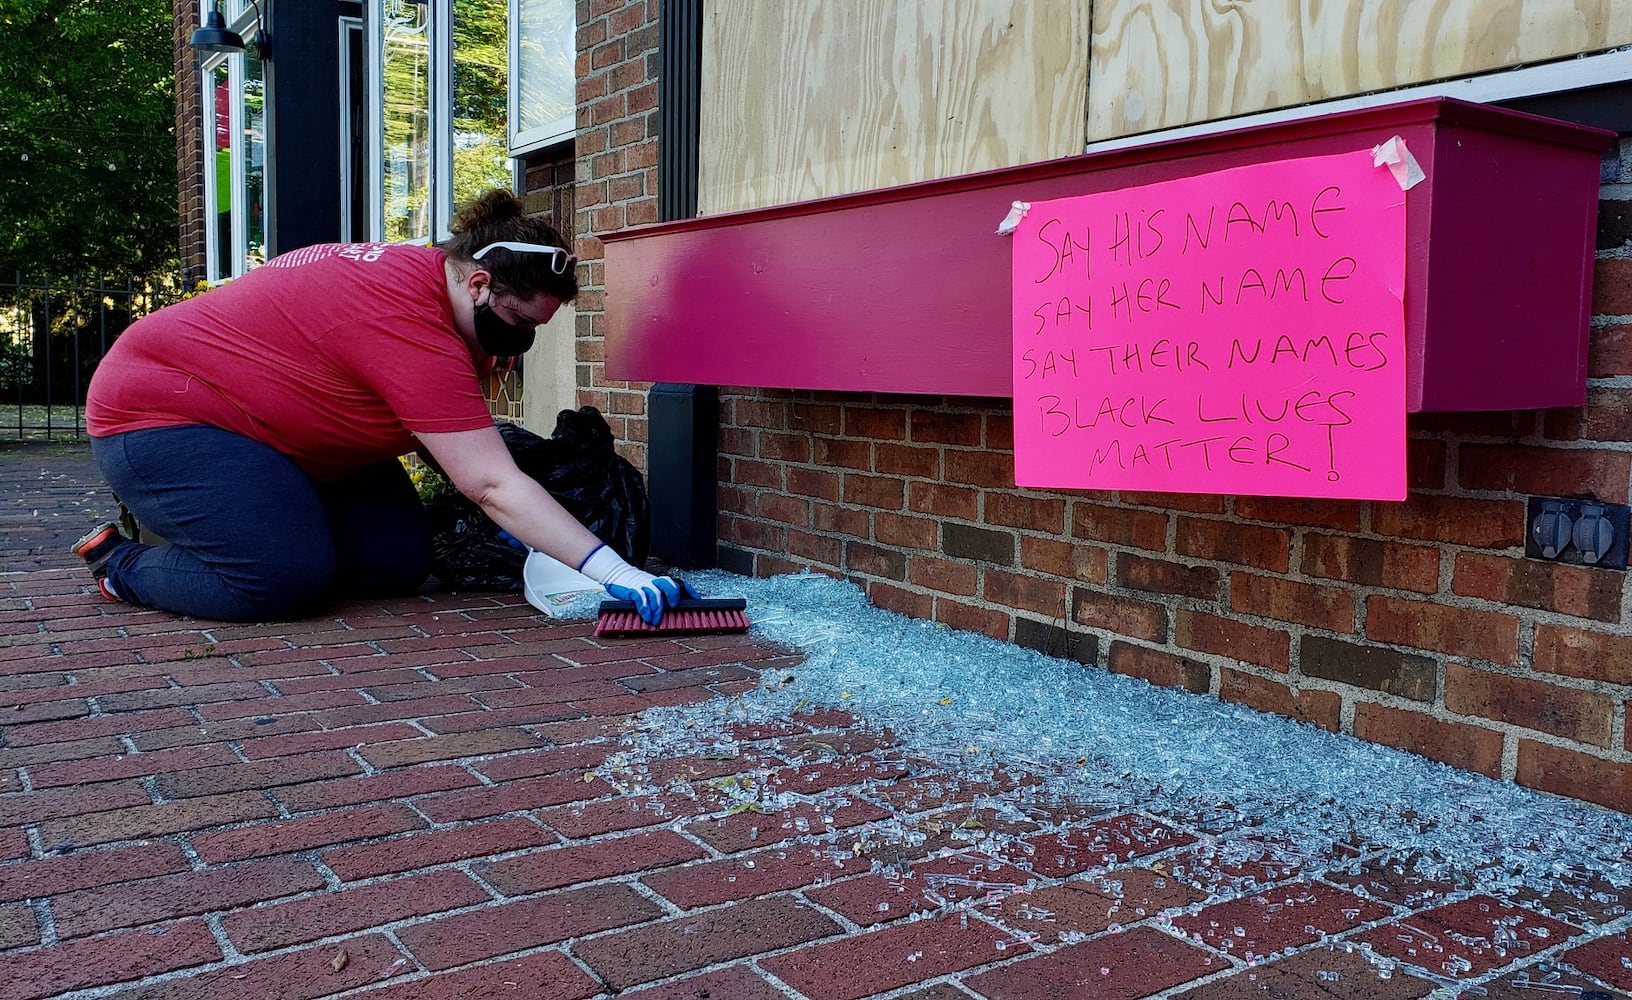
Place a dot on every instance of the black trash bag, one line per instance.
(466, 550)
(580, 467)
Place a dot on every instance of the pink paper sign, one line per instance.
(1240, 332)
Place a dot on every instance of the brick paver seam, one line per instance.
(950, 981)
(849, 929)
(980, 915)
(1344, 941)
(1235, 964)
(39, 850)
(1461, 987)
(1037, 949)
(677, 825)
(468, 765)
(46, 921)
(846, 929)
(232, 957)
(159, 980)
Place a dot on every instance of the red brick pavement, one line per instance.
(430, 798)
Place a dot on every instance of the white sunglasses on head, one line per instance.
(561, 259)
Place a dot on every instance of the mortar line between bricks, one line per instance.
(956, 985)
(147, 983)
(46, 920)
(1551, 953)
(566, 950)
(848, 930)
(681, 827)
(1172, 992)
(185, 843)
(475, 772)
(1222, 893)
(1344, 942)
(466, 866)
(390, 927)
(645, 891)
(369, 770)
(330, 877)
(283, 810)
(908, 990)
(1000, 960)
(1232, 964)
(750, 960)
(216, 922)
(459, 864)
(1444, 983)
(424, 975)
(406, 955)
(775, 981)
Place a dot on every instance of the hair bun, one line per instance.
(495, 206)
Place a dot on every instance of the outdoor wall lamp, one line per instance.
(214, 35)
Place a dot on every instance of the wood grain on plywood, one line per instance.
(1162, 63)
(809, 98)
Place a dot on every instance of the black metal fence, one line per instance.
(52, 334)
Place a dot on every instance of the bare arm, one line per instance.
(480, 467)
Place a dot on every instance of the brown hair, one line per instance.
(495, 216)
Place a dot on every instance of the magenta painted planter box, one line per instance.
(906, 289)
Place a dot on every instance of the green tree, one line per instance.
(480, 98)
(480, 105)
(87, 138)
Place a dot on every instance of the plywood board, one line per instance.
(1162, 63)
(808, 98)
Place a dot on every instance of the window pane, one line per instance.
(480, 143)
(220, 91)
(406, 59)
(546, 91)
(254, 200)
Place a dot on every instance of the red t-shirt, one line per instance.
(332, 354)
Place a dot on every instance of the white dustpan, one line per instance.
(555, 588)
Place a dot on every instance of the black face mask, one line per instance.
(499, 338)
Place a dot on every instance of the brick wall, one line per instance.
(547, 180)
(1418, 625)
(189, 143)
(616, 184)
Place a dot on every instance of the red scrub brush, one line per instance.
(692, 616)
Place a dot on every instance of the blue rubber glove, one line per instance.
(651, 595)
(512, 540)
(653, 599)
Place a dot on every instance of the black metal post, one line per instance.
(683, 421)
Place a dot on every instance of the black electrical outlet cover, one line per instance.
(1618, 514)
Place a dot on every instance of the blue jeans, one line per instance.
(248, 536)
